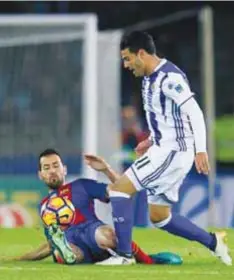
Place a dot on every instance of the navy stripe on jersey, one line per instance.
(178, 135)
(158, 172)
(150, 95)
(153, 119)
(181, 127)
(163, 97)
(154, 125)
(190, 125)
(163, 102)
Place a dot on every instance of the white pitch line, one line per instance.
(17, 268)
(118, 271)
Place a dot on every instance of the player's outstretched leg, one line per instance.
(60, 244)
(183, 227)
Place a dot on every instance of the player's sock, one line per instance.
(183, 227)
(122, 211)
(141, 256)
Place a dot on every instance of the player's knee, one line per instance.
(110, 238)
(106, 238)
(159, 213)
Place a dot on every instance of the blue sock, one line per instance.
(183, 227)
(122, 212)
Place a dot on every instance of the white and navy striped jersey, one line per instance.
(163, 92)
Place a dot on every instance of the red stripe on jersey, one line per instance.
(66, 192)
(79, 218)
(45, 199)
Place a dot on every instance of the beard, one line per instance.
(55, 183)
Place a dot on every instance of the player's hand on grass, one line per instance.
(202, 163)
(142, 147)
(95, 162)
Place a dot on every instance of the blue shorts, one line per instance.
(83, 236)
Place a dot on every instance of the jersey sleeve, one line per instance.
(176, 87)
(95, 189)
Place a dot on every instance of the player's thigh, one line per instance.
(130, 181)
(105, 237)
(148, 171)
(89, 236)
(162, 197)
(79, 247)
(169, 184)
(123, 185)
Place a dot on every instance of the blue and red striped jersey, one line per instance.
(81, 193)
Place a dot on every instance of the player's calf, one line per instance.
(183, 227)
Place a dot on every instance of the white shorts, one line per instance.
(161, 172)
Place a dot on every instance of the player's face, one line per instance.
(52, 171)
(134, 62)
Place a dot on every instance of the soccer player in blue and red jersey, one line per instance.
(88, 239)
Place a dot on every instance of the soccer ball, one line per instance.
(58, 210)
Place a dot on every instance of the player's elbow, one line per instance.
(192, 109)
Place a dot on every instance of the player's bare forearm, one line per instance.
(100, 165)
(38, 254)
(111, 174)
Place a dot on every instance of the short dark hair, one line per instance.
(137, 40)
(47, 152)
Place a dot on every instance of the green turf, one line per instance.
(198, 262)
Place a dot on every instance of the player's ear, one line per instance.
(141, 53)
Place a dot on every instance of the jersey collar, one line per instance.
(163, 61)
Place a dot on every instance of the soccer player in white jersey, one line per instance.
(177, 139)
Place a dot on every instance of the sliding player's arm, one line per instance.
(175, 87)
(95, 189)
(38, 254)
(100, 165)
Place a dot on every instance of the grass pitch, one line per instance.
(198, 262)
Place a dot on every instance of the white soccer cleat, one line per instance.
(117, 260)
(221, 250)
